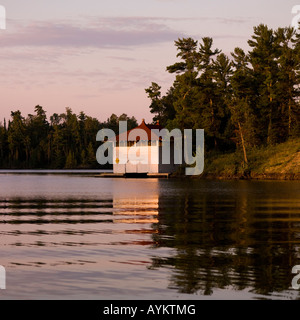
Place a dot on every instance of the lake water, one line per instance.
(67, 235)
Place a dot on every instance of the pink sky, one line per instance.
(99, 56)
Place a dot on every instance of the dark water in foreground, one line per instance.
(72, 236)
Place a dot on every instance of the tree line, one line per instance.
(65, 141)
(241, 101)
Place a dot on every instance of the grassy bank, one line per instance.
(281, 161)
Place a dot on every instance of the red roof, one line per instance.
(146, 127)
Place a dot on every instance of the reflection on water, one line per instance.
(221, 242)
(136, 210)
(81, 237)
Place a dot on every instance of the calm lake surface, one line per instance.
(67, 235)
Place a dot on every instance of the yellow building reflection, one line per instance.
(136, 201)
(136, 210)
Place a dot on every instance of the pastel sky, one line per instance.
(98, 56)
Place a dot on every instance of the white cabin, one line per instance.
(149, 149)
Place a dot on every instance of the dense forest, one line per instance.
(66, 141)
(242, 101)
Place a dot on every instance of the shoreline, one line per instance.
(204, 176)
(254, 177)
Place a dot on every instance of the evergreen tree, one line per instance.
(287, 86)
(71, 162)
(263, 58)
(16, 138)
(3, 145)
(252, 99)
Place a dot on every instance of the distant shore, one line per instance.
(254, 176)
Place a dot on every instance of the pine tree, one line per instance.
(287, 86)
(16, 136)
(91, 155)
(71, 162)
(263, 58)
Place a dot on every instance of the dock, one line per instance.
(132, 175)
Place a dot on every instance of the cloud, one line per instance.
(100, 33)
(123, 58)
(103, 32)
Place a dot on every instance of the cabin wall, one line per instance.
(146, 152)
